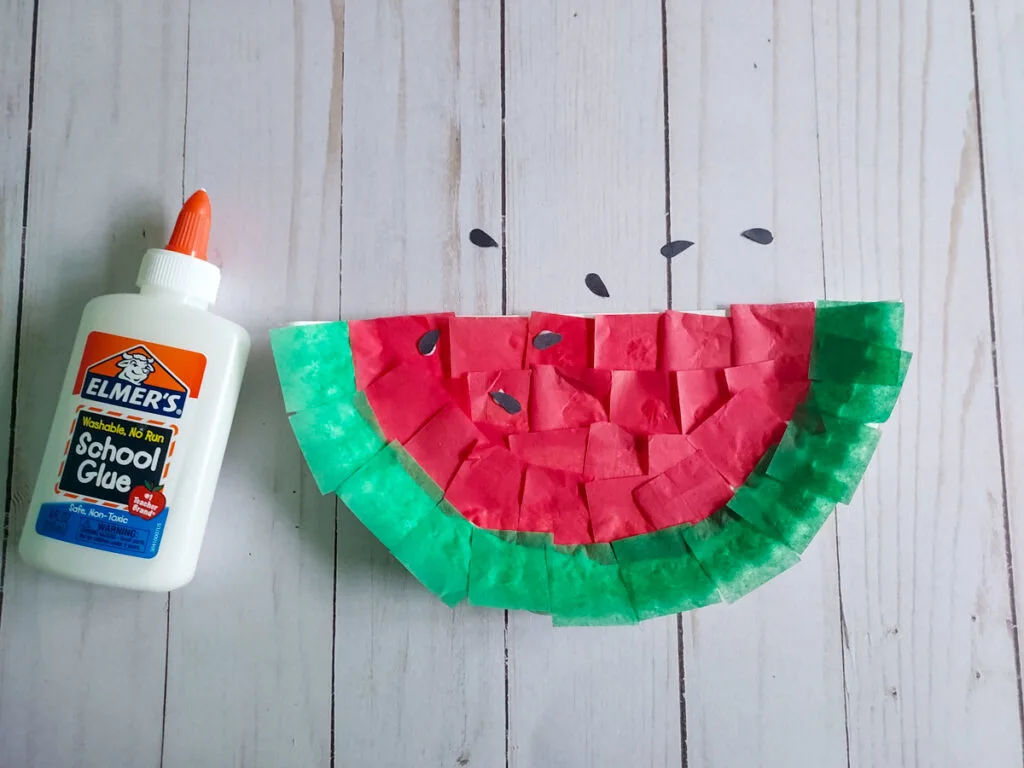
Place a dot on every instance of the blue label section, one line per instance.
(141, 397)
(111, 530)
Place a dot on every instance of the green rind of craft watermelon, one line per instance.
(857, 370)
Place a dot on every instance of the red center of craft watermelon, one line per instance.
(626, 425)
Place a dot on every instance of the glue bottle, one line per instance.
(131, 464)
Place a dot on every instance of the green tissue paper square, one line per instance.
(503, 574)
(663, 577)
(823, 454)
(660, 545)
(437, 552)
(314, 363)
(785, 513)
(335, 440)
(386, 499)
(847, 361)
(877, 322)
(587, 588)
(736, 556)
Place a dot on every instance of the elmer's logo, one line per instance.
(128, 373)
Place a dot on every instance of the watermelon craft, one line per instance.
(602, 470)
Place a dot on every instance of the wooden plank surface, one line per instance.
(848, 128)
(16, 93)
(263, 133)
(417, 684)
(78, 663)
(999, 29)
(585, 193)
(930, 663)
(745, 156)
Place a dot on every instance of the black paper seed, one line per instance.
(758, 235)
(674, 248)
(546, 339)
(480, 238)
(596, 285)
(508, 403)
(427, 344)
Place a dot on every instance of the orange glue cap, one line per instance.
(192, 229)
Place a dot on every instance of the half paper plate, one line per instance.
(603, 470)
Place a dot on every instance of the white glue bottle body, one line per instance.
(130, 467)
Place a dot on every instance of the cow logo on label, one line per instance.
(136, 378)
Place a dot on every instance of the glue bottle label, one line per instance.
(129, 404)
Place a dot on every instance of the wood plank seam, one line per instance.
(5, 529)
(1000, 437)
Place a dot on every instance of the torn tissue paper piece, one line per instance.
(768, 331)
(613, 512)
(486, 488)
(314, 363)
(563, 449)
(487, 406)
(664, 451)
(443, 443)
(611, 452)
(559, 400)
(735, 436)
(698, 394)
(385, 342)
(404, 398)
(573, 348)
(641, 401)
(486, 343)
(551, 503)
(626, 342)
(687, 492)
(691, 341)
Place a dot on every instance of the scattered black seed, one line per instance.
(427, 344)
(758, 235)
(674, 248)
(596, 285)
(546, 339)
(480, 238)
(508, 403)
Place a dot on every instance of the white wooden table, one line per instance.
(349, 148)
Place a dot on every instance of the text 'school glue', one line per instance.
(131, 464)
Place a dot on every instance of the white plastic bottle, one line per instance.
(130, 468)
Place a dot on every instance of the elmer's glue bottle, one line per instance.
(131, 464)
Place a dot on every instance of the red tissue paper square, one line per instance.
(767, 331)
(404, 398)
(443, 443)
(687, 492)
(782, 383)
(641, 401)
(565, 399)
(613, 512)
(552, 503)
(698, 395)
(626, 342)
(562, 449)
(573, 351)
(458, 390)
(483, 408)
(486, 343)
(384, 342)
(486, 489)
(664, 451)
(611, 452)
(691, 341)
(736, 436)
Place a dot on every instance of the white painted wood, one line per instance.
(1000, 28)
(586, 192)
(250, 650)
(742, 124)
(930, 664)
(416, 683)
(15, 64)
(79, 664)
